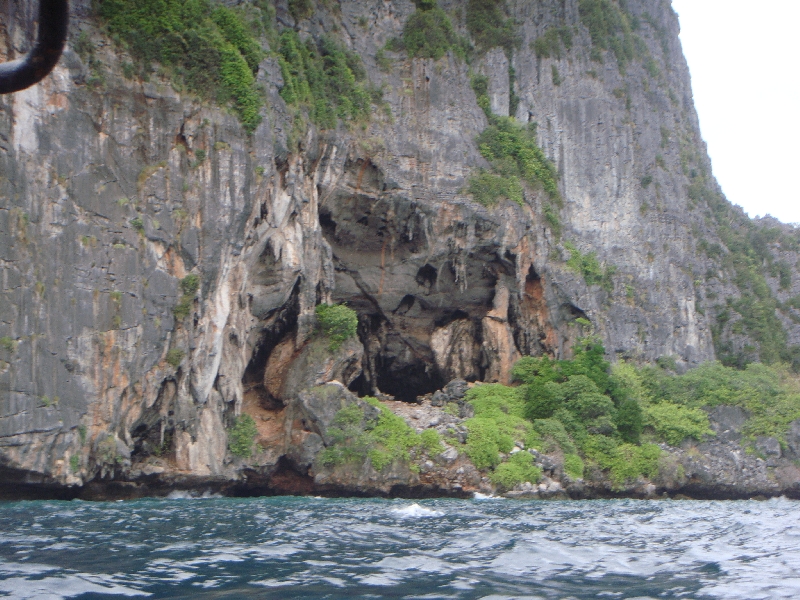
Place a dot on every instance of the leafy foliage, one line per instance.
(488, 189)
(519, 468)
(512, 150)
(428, 33)
(770, 394)
(573, 466)
(189, 286)
(241, 437)
(300, 9)
(175, 357)
(624, 462)
(497, 424)
(8, 344)
(489, 27)
(552, 42)
(325, 78)
(674, 423)
(609, 28)
(590, 268)
(209, 47)
(337, 322)
(384, 440)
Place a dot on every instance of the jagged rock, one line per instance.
(449, 455)
(793, 439)
(314, 410)
(439, 398)
(727, 421)
(456, 390)
(106, 209)
(315, 364)
(304, 447)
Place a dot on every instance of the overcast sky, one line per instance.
(744, 57)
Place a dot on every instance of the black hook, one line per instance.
(20, 74)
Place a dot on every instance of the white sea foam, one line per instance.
(415, 510)
(479, 496)
(184, 495)
(64, 586)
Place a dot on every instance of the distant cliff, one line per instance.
(174, 204)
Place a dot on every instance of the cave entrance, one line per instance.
(407, 380)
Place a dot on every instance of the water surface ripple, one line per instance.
(346, 548)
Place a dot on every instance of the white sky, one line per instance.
(744, 57)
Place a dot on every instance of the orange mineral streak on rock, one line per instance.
(280, 359)
(109, 380)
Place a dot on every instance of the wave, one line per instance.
(185, 495)
(415, 510)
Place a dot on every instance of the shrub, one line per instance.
(325, 78)
(629, 421)
(767, 393)
(519, 468)
(609, 28)
(338, 322)
(384, 440)
(75, 463)
(208, 47)
(675, 423)
(573, 466)
(480, 85)
(589, 267)
(557, 80)
(497, 424)
(189, 286)
(624, 462)
(554, 434)
(489, 27)
(428, 33)
(241, 437)
(175, 357)
(431, 442)
(8, 344)
(484, 442)
(488, 189)
(301, 9)
(512, 150)
(137, 224)
(551, 42)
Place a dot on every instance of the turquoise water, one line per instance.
(345, 548)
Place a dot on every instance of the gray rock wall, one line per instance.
(105, 208)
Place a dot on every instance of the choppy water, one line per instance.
(325, 548)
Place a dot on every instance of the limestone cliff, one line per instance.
(112, 193)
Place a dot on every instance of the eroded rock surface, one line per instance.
(106, 206)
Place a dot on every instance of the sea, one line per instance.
(489, 548)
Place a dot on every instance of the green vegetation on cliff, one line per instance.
(611, 419)
(429, 33)
(747, 252)
(590, 268)
(337, 322)
(576, 407)
(612, 28)
(489, 27)
(384, 440)
(242, 436)
(211, 48)
(325, 78)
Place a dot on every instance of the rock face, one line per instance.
(111, 196)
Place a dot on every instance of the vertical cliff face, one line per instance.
(123, 200)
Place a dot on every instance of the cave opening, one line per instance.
(406, 380)
(279, 324)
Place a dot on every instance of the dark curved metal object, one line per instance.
(20, 74)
